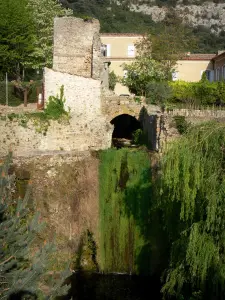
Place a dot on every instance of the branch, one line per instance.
(8, 259)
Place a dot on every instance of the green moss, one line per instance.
(125, 198)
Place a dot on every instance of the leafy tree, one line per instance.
(142, 71)
(193, 204)
(43, 14)
(16, 36)
(168, 44)
(157, 55)
(23, 268)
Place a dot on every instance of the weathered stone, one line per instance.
(77, 47)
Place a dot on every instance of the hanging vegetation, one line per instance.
(193, 204)
(125, 188)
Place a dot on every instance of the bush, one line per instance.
(112, 80)
(139, 137)
(198, 93)
(55, 106)
(158, 92)
(181, 124)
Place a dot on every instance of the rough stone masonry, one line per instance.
(76, 66)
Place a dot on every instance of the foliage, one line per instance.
(157, 55)
(55, 110)
(16, 36)
(169, 44)
(198, 93)
(55, 107)
(192, 201)
(23, 267)
(181, 124)
(139, 137)
(112, 80)
(124, 187)
(43, 14)
(140, 73)
(158, 92)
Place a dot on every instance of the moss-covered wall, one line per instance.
(130, 237)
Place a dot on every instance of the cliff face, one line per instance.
(193, 12)
(209, 14)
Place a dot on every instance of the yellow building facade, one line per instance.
(121, 48)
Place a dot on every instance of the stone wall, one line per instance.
(76, 136)
(65, 191)
(87, 128)
(77, 47)
(166, 127)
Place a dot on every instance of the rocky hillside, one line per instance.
(205, 19)
(208, 14)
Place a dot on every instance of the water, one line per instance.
(113, 287)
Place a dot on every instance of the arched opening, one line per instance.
(124, 127)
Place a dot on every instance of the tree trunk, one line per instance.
(25, 97)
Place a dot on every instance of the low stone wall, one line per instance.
(197, 113)
(76, 136)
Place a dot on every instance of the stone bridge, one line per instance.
(96, 115)
(114, 106)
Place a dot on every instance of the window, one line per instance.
(175, 76)
(108, 50)
(131, 50)
(125, 74)
(104, 50)
(207, 73)
(217, 74)
(223, 72)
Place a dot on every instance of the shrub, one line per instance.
(112, 80)
(55, 106)
(158, 92)
(139, 137)
(198, 93)
(24, 256)
(181, 124)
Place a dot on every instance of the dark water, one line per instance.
(114, 287)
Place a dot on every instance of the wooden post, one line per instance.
(25, 97)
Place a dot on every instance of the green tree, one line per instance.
(193, 204)
(142, 71)
(157, 54)
(24, 263)
(43, 14)
(168, 44)
(16, 36)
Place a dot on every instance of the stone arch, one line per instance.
(114, 111)
(124, 127)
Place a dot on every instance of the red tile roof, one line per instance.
(198, 56)
(121, 34)
(219, 56)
